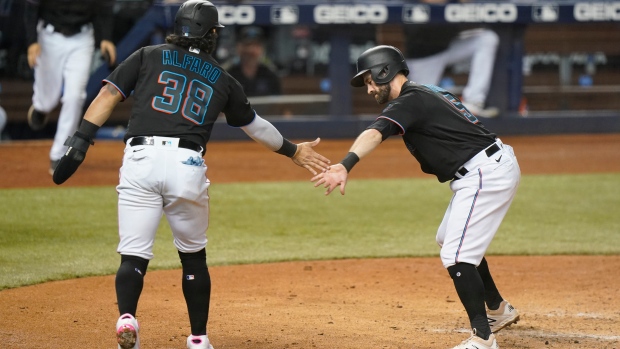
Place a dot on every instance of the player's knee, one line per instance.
(194, 262)
(193, 257)
(70, 97)
(134, 263)
(490, 38)
(202, 254)
(459, 269)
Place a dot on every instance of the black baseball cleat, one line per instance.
(36, 119)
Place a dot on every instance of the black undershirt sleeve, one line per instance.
(386, 127)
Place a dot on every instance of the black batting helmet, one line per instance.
(383, 62)
(195, 18)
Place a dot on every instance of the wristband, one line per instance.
(288, 148)
(89, 129)
(350, 160)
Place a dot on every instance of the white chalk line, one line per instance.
(539, 333)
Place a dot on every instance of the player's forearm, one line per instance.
(101, 108)
(366, 142)
(262, 131)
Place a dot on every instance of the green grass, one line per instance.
(58, 233)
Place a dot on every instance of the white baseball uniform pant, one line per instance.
(60, 75)
(480, 201)
(162, 179)
(479, 45)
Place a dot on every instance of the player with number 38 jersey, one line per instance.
(179, 91)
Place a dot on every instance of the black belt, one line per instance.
(183, 143)
(489, 151)
(67, 30)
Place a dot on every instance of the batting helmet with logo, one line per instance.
(383, 62)
(195, 18)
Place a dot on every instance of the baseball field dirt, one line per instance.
(409, 303)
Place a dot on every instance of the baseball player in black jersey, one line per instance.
(179, 90)
(449, 142)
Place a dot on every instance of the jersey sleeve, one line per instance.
(401, 111)
(386, 127)
(125, 76)
(238, 110)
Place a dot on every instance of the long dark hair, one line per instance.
(206, 43)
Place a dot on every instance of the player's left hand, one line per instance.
(336, 175)
(108, 50)
(309, 159)
(74, 156)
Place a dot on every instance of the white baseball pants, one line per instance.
(479, 45)
(61, 74)
(480, 202)
(162, 179)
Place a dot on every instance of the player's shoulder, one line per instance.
(411, 90)
(411, 86)
(156, 48)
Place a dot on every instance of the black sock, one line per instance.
(491, 293)
(129, 282)
(196, 289)
(470, 289)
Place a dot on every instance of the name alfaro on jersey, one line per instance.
(193, 63)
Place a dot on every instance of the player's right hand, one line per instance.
(73, 158)
(336, 175)
(309, 159)
(34, 51)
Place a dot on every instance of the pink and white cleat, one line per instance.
(198, 342)
(127, 332)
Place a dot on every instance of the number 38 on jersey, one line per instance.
(192, 97)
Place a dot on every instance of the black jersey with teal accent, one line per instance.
(178, 93)
(436, 128)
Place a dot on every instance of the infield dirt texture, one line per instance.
(409, 303)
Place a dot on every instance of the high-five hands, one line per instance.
(309, 159)
(335, 175)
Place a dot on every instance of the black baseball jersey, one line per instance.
(67, 16)
(178, 93)
(436, 128)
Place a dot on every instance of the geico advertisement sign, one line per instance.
(597, 11)
(243, 14)
(358, 14)
(489, 13)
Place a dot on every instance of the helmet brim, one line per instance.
(358, 79)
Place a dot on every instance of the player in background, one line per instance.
(61, 38)
(179, 90)
(251, 68)
(449, 142)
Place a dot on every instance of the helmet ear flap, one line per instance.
(385, 71)
(381, 74)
